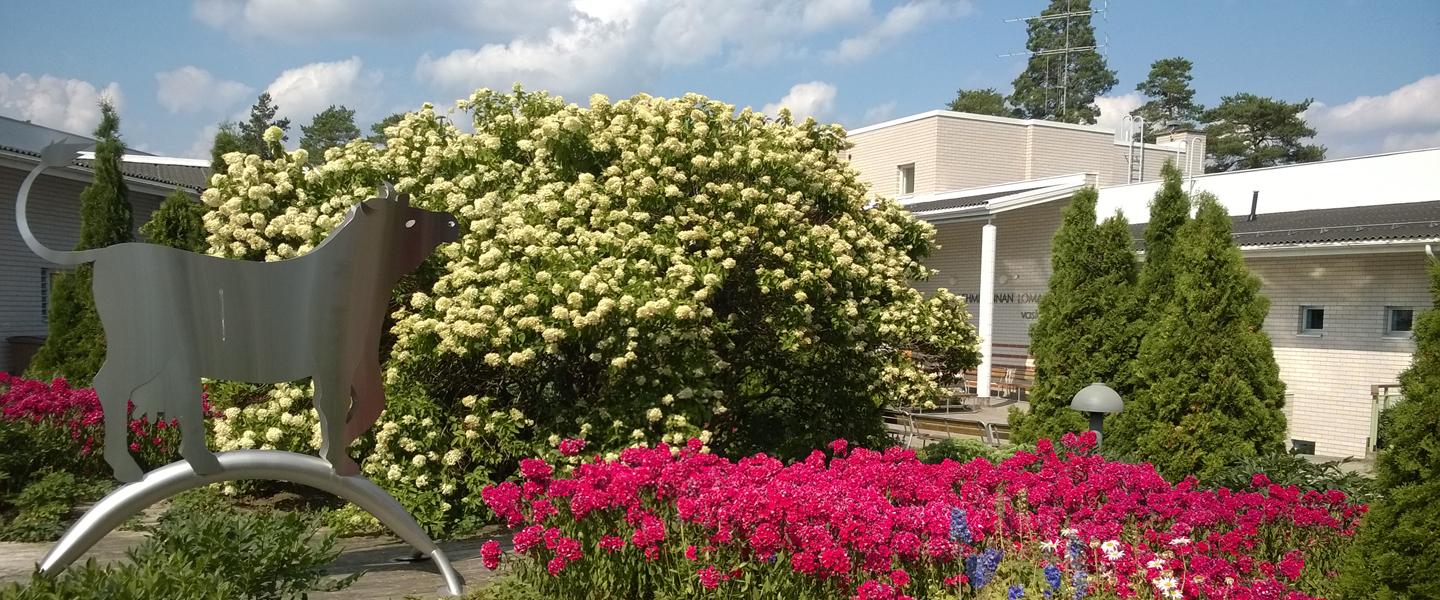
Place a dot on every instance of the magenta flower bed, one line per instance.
(77, 413)
(1058, 523)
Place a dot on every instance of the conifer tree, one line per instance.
(75, 347)
(1397, 549)
(1209, 389)
(1169, 211)
(177, 223)
(1061, 81)
(1084, 333)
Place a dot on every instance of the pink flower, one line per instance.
(571, 447)
(535, 469)
(838, 447)
(555, 566)
(612, 543)
(710, 577)
(490, 554)
(691, 554)
(900, 578)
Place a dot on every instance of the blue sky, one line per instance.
(178, 68)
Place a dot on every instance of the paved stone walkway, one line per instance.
(383, 578)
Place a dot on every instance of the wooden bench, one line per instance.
(1006, 381)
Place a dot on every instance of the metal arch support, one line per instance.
(275, 465)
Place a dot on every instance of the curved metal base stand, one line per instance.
(275, 465)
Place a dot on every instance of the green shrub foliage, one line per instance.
(207, 554)
(43, 508)
(75, 347)
(1085, 332)
(1298, 471)
(1397, 550)
(1211, 393)
(176, 223)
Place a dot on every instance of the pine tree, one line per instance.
(177, 223)
(1084, 333)
(1171, 100)
(377, 129)
(1209, 388)
(1062, 86)
(980, 102)
(1396, 551)
(75, 347)
(1246, 131)
(331, 128)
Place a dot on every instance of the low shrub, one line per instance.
(958, 450)
(43, 508)
(1299, 472)
(1058, 522)
(206, 554)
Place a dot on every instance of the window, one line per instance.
(907, 179)
(1399, 321)
(45, 295)
(1312, 319)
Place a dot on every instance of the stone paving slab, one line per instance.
(383, 579)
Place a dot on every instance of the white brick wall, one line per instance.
(1330, 374)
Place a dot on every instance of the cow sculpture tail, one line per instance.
(54, 155)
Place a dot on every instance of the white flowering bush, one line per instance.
(634, 271)
(284, 419)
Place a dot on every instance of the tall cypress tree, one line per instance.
(1169, 211)
(1397, 550)
(1209, 390)
(177, 223)
(1084, 333)
(75, 347)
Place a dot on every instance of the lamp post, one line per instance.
(1095, 401)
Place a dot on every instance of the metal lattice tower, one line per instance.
(1064, 51)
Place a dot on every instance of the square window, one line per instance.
(907, 179)
(1399, 320)
(1312, 319)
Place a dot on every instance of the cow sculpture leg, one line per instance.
(368, 392)
(332, 404)
(177, 388)
(113, 384)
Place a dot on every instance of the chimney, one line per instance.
(1193, 162)
(1254, 203)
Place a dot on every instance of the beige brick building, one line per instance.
(1338, 245)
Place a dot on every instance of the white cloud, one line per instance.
(811, 99)
(1403, 119)
(569, 60)
(618, 46)
(192, 89)
(824, 14)
(900, 21)
(1114, 109)
(288, 20)
(304, 91)
(70, 105)
(200, 148)
(878, 113)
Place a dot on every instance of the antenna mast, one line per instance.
(1065, 50)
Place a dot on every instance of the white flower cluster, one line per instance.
(285, 420)
(634, 237)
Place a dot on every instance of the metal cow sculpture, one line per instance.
(172, 317)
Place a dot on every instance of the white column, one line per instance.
(987, 307)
